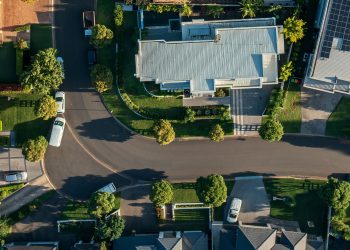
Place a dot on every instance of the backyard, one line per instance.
(302, 203)
(338, 122)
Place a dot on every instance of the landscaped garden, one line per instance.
(7, 190)
(301, 202)
(338, 122)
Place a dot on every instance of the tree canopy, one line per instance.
(212, 190)
(5, 230)
(163, 132)
(271, 130)
(118, 15)
(110, 229)
(337, 194)
(185, 10)
(45, 73)
(101, 36)
(47, 107)
(217, 133)
(101, 77)
(190, 115)
(101, 204)
(293, 29)
(34, 150)
(286, 71)
(162, 193)
(250, 7)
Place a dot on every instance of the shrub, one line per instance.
(34, 150)
(215, 11)
(217, 133)
(225, 114)
(220, 93)
(286, 71)
(163, 132)
(271, 130)
(46, 108)
(9, 189)
(5, 230)
(186, 10)
(118, 15)
(101, 204)
(23, 27)
(101, 36)
(21, 44)
(190, 115)
(101, 77)
(162, 193)
(212, 190)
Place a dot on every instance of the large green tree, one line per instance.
(101, 77)
(46, 108)
(163, 132)
(337, 194)
(101, 36)
(271, 130)
(34, 150)
(101, 204)
(45, 73)
(217, 133)
(5, 230)
(110, 229)
(212, 190)
(293, 29)
(162, 193)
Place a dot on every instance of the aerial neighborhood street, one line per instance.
(166, 124)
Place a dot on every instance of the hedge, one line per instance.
(9, 189)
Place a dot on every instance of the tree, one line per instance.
(271, 130)
(215, 11)
(101, 204)
(212, 190)
(21, 44)
(250, 7)
(337, 194)
(101, 77)
(163, 132)
(118, 15)
(286, 71)
(220, 93)
(110, 229)
(5, 231)
(101, 36)
(190, 115)
(47, 107)
(275, 8)
(45, 73)
(34, 150)
(293, 29)
(162, 193)
(185, 10)
(225, 114)
(217, 133)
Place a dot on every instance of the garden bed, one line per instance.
(7, 190)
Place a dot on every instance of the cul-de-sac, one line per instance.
(174, 124)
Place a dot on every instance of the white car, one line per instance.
(57, 132)
(60, 100)
(19, 176)
(233, 212)
(60, 60)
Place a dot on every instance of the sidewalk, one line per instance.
(33, 190)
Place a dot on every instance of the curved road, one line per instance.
(95, 147)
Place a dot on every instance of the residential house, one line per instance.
(190, 240)
(86, 246)
(236, 54)
(328, 68)
(222, 2)
(32, 246)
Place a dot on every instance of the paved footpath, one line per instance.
(33, 190)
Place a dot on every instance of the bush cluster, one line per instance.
(34, 150)
(276, 102)
(101, 77)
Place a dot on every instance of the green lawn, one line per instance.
(9, 189)
(166, 108)
(75, 210)
(305, 203)
(18, 114)
(185, 192)
(338, 122)
(8, 63)
(40, 37)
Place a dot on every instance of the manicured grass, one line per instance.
(18, 114)
(8, 63)
(305, 203)
(9, 189)
(40, 37)
(338, 122)
(75, 210)
(185, 192)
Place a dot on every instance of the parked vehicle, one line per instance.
(18, 176)
(233, 212)
(57, 132)
(110, 188)
(91, 57)
(60, 100)
(88, 22)
(60, 60)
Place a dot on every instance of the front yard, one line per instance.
(338, 122)
(302, 203)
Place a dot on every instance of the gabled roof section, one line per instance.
(256, 236)
(195, 240)
(169, 243)
(293, 238)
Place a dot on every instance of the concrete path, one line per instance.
(317, 106)
(33, 190)
(255, 204)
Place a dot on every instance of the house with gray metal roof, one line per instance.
(238, 54)
(329, 66)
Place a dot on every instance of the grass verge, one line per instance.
(75, 210)
(7, 190)
(338, 121)
(40, 37)
(8, 63)
(304, 202)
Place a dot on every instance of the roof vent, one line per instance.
(217, 38)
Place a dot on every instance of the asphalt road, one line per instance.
(94, 143)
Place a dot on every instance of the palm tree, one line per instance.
(248, 8)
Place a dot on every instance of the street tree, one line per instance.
(163, 132)
(162, 193)
(101, 77)
(101, 204)
(45, 73)
(5, 230)
(271, 130)
(293, 29)
(110, 229)
(101, 36)
(190, 115)
(286, 71)
(46, 108)
(212, 190)
(217, 133)
(34, 150)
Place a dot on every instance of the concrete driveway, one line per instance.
(255, 204)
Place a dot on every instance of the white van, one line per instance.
(233, 212)
(57, 131)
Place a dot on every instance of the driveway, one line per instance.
(255, 204)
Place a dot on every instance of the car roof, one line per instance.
(61, 119)
(59, 94)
